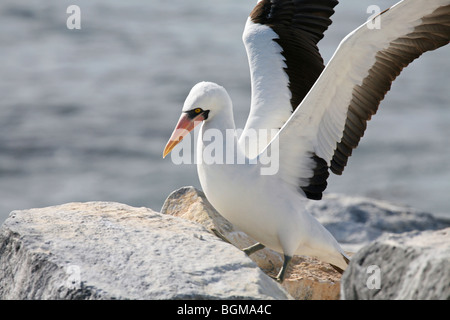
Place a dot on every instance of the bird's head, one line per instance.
(204, 101)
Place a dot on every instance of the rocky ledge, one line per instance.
(411, 266)
(356, 222)
(106, 250)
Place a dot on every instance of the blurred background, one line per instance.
(85, 114)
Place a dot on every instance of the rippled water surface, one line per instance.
(85, 114)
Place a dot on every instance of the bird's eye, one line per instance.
(198, 110)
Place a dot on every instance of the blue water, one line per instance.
(85, 114)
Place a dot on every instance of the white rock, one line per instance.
(357, 221)
(103, 250)
(307, 278)
(354, 221)
(413, 265)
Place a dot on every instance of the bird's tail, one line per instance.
(347, 261)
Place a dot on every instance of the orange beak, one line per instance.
(184, 126)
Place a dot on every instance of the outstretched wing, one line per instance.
(281, 39)
(331, 120)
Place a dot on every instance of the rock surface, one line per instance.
(357, 221)
(409, 266)
(307, 278)
(354, 221)
(103, 250)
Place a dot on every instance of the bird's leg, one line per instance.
(253, 248)
(282, 273)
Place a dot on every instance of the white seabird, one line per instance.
(313, 116)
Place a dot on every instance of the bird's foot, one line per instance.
(252, 249)
(277, 279)
(282, 274)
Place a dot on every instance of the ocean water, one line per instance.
(85, 114)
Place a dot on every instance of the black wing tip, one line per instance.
(432, 33)
(318, 182)
(295, 13)
(300, 25)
